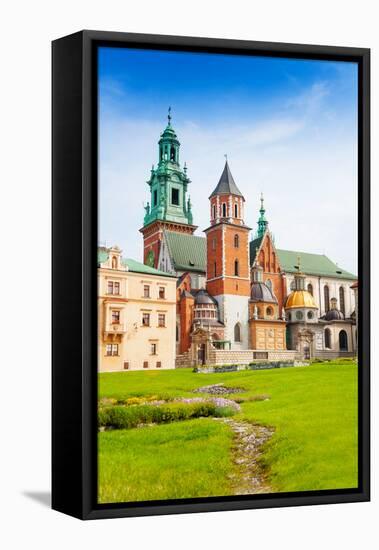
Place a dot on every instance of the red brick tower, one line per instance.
(228, 278)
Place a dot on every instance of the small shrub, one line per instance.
(124, 417)
(221, 412)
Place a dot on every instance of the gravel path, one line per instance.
(249, 439)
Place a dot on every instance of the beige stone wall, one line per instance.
(244, 357)
(134, 340)
(268, 335)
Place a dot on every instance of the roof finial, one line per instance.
(298, 263)
(169, 116)
(226, 157)
(262, 199)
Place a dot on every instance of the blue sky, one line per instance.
(289, 128)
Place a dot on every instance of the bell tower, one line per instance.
(228, 267)
(169, 207)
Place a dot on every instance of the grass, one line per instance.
(313, 410)
(166, 461)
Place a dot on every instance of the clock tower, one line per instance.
(169, 208)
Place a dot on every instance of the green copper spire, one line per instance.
(262, 222)
(168, 182)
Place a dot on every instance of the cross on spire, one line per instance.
(169, 116)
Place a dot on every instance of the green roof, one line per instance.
(188, 252)
(256, 243)
(132, 265)
(311, 264)
(137, 267)
(102, 255)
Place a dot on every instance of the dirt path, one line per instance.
(249, 439)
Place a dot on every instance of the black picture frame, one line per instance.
(74, 294)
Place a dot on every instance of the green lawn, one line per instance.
(313, 410)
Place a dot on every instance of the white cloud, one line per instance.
(306, 167)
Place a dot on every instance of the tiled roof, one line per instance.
(137, 267)
(226, 185)
(185, 249)
(311, 264)
(188, 252)
(254, 245)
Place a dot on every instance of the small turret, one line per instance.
(262, 222)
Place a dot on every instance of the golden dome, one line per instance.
(300, 298)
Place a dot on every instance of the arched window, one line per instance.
(342, 337)
(215, 269)
(237, 332)
(172, 153)
(236, 268)
(310, 288)
(328, 339)
(292, 285)
(214, 211)
(114, 262)
(236, 210)
(236, 241)
(326, 298)
(342, 299)
(177, 332)
(269, 311)
(224, 210)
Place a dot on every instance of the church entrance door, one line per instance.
(201, 354)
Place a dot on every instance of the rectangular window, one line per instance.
(115, 316)
(215, 269)
(153, 349)
(159, 364)
(126, 365)
(111, 349)
(146, 291)
(113, 287)
(146, 319)
(161, 320)
(175, 196)
(145, 365)
(155, 198)
(162, 293)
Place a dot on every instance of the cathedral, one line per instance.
(238, 296)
